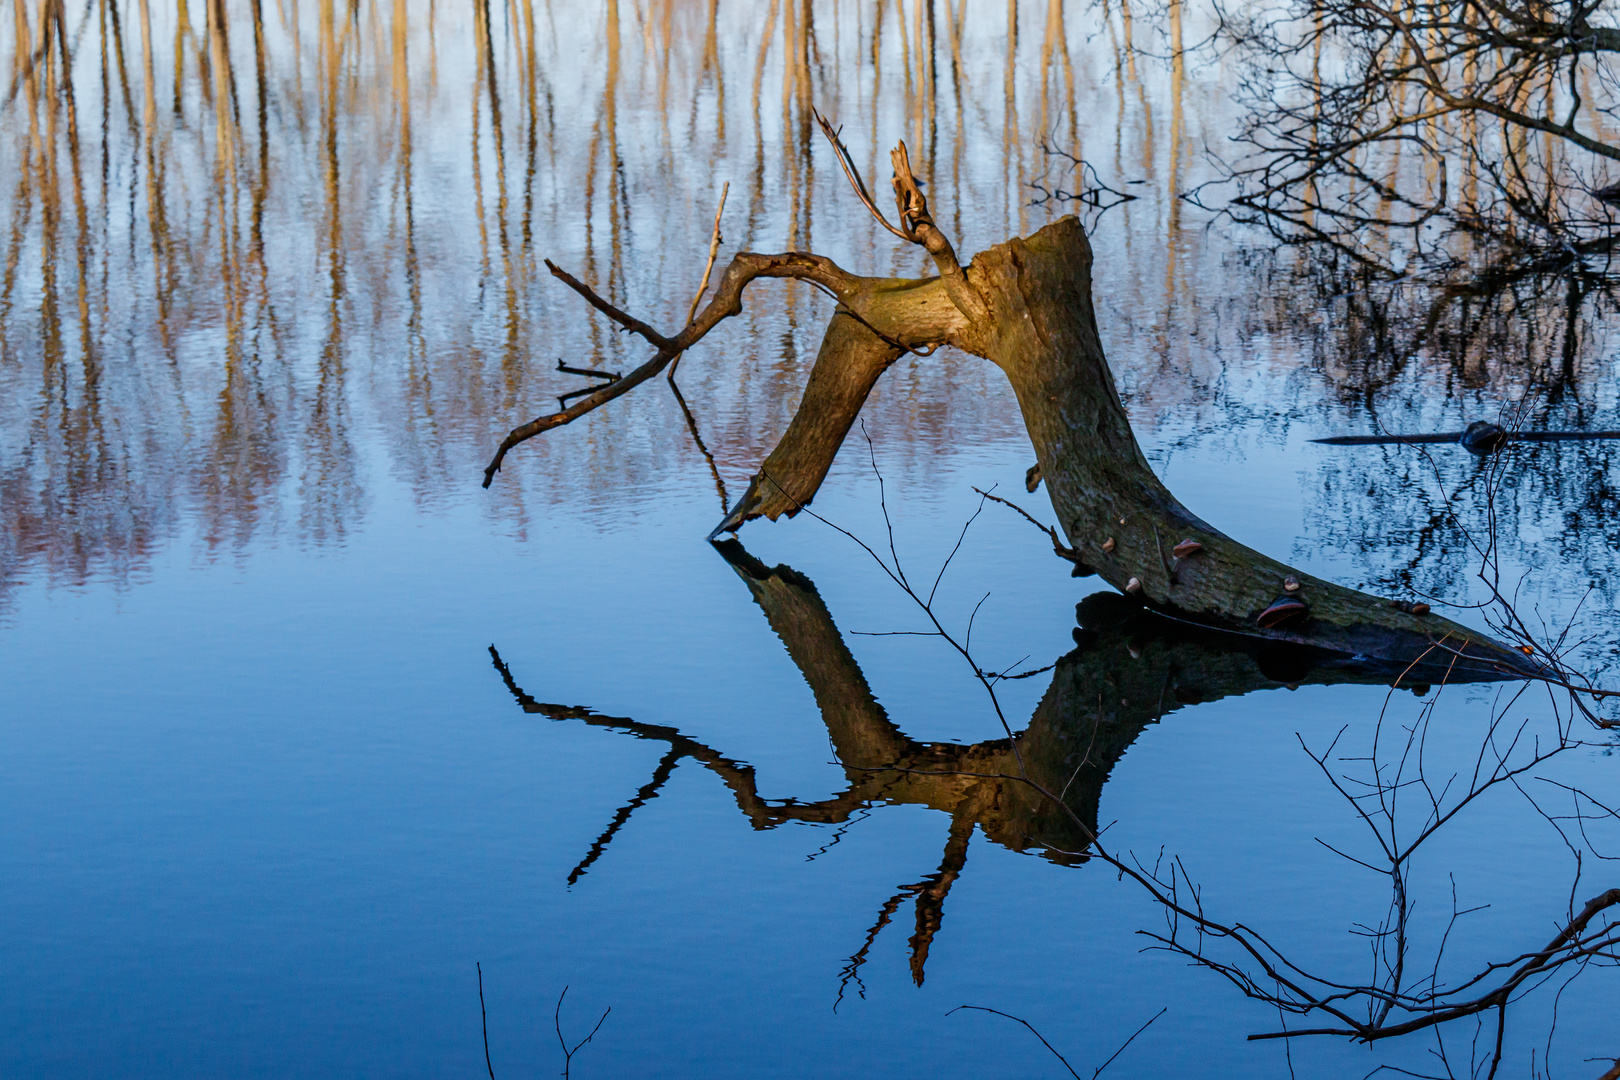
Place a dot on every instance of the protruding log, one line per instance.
(1122, 521)
(1041, 330)
(852, 357)
(1026, 306)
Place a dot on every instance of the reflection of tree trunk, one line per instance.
(1129, 671)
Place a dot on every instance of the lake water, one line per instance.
(300, 724)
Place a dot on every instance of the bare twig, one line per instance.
(1059, 548)
(853, 175)
(745, 268)
(715, 240)
(916, 221)
(484, 1017)
(1032, 1030)
(568, 1054)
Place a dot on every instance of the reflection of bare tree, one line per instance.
(1330, 337)
(1372, 123)
(1412, 358)
(1129, 671)
(330, 481)
(208, 371)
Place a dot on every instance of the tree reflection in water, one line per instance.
(1130, 669)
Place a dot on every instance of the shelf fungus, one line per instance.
(1108, 546)
(1134, 585)
(1290, 584)
(1282, 610)
(1419, 608)
(1186, 548)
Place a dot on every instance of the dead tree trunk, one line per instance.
(1025, 305)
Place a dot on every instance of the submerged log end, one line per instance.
(1235, 588)
(764, 498)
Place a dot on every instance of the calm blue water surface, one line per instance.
(264, 814)
(268, 799)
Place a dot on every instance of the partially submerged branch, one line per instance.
(745, 267)
(1026, 306)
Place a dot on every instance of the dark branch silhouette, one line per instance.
(1130, 670)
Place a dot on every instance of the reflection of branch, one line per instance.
(568, 1053)
(590, 373)
(851, 970)
(1457, 87)
(1095, 1072)
(738, 777)
(929, 899)
(664, 770)
(1275, 978)
(1027, 790)
(897, 574)
(933, 889)
(1131, 670)
(1093, 192)
(691, 425)
(484, 1019)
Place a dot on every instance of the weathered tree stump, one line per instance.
(1026, 306)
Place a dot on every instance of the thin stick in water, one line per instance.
(484, 1016)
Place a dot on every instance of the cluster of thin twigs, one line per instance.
(1405, 996)
(1386, 129)
(1501, 611)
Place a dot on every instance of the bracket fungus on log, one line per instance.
(1026, 306)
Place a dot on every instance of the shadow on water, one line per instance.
(1130, 669)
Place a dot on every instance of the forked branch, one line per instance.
(916, 222)
(853, 175)
(727, 301)
(852, 292)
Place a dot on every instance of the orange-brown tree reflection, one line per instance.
(1129, 670)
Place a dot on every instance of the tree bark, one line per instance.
(1039, 326)
(1026, 306)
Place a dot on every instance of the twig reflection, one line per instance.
(1129, 670)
